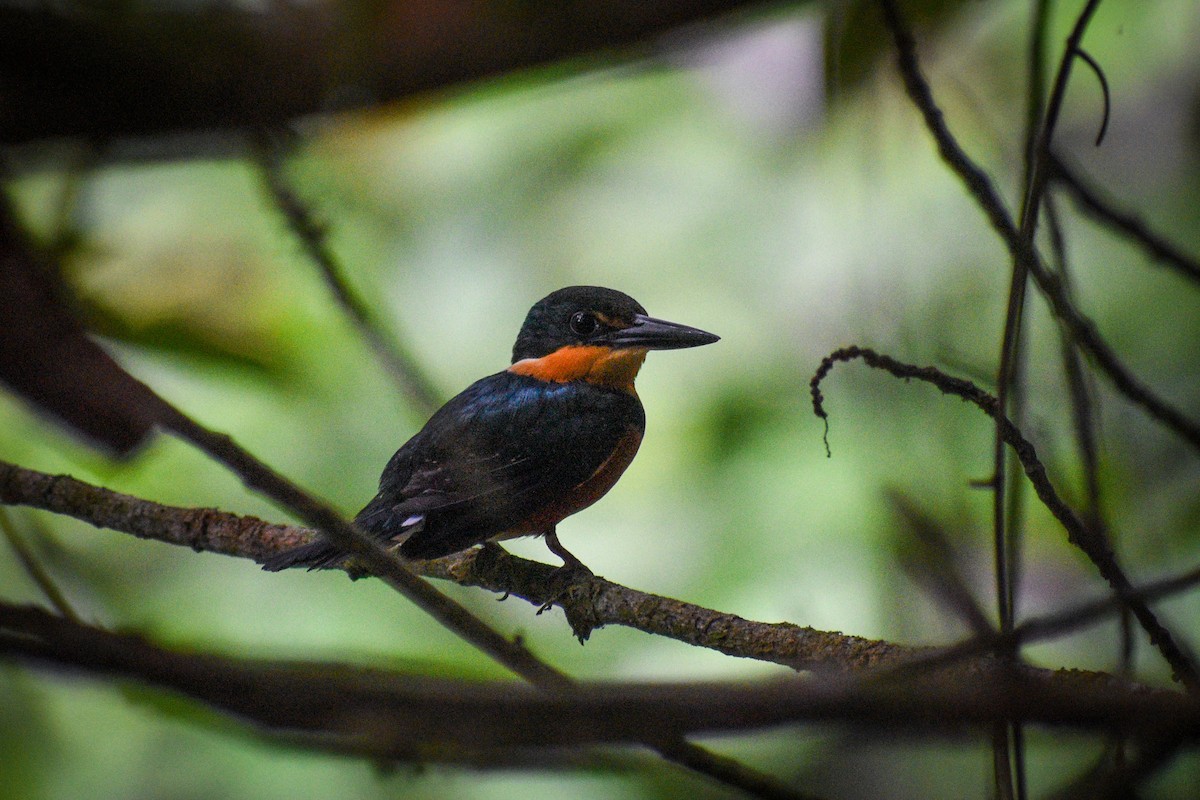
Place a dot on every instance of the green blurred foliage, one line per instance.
(790, 231)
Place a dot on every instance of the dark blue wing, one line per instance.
(505, 448)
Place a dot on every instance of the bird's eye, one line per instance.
(583, 323)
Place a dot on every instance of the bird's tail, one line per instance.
(315, 555)
(380, 518)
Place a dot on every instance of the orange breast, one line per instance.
(603, 366)
(587, 492)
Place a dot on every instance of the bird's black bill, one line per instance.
(658, 334)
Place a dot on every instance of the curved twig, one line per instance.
(1103, 79)
(1078, 533)
(1058, 93)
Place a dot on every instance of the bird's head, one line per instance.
(594, 334)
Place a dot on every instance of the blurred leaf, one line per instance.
(192, 337)
(23, 757)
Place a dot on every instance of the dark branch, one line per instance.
(593, 604)
(261, 478)
(397, 715)
(45, 352)
(150, 69)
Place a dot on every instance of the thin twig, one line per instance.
(1036, 189)
(1050, 626)
(34, 569)
(405, 370)
(982, 189)
(1081, 616)
(1007, 538)
(935, 567)
(1124, 222)
(1006, 542)
(1078, 533)
(1083, 419)
(1035, 89)
(1103, 79)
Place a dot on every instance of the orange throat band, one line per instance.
(602, 366)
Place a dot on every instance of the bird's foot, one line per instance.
(574, 587)
(573, 572)
(564, 579)
(568, 558)
(572, 576)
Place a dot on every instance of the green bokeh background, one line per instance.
(720, 187)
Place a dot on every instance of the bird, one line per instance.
(517, 452)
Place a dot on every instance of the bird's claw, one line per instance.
(571, 575)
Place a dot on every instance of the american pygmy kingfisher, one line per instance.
(519, 451)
